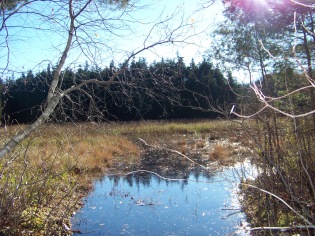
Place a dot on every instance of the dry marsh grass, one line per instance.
(218, 152)
(221, 153)
(86, 150)
(100, 154)
(43, 180)
(170, 127)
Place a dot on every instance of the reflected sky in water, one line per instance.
(144, 204)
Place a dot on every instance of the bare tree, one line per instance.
(92, 30)
(299, 41)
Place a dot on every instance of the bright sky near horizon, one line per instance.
(32, 49)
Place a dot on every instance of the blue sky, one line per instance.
(35, 48)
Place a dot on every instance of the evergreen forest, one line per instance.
(167, 89)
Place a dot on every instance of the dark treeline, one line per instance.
(165, 89)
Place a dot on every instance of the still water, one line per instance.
(142, 203)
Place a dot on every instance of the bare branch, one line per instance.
(302, 4)
(280, 199)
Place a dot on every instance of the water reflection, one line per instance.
(142, 203)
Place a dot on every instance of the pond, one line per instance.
(144, 203)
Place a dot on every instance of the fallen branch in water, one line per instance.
(154, 173)
(174, 151)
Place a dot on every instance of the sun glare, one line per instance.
(260, 2)
(250, 5)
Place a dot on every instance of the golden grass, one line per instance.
(99, 155)
(92, 148)
(218, 152)
(86, 150)
(167, 127)
(226, 153)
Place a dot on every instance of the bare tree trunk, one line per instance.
(53, 97)
(18, 138)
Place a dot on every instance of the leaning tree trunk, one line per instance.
(18, 138)
(53, 96)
